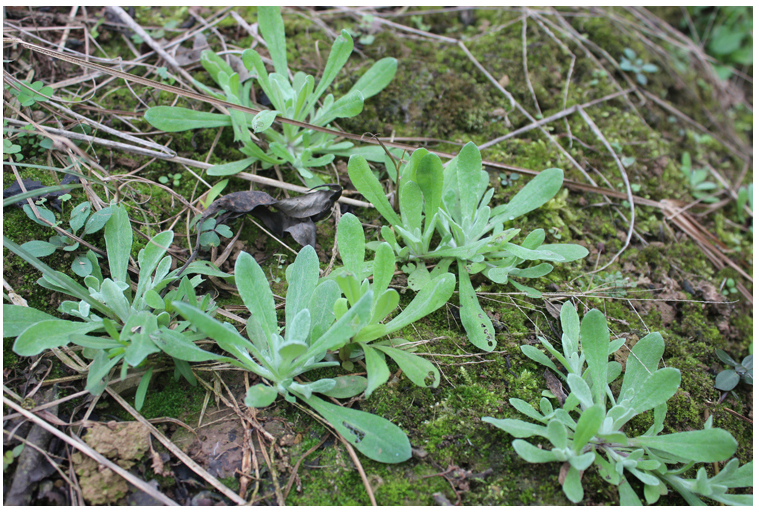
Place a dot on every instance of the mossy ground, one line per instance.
(439, 93)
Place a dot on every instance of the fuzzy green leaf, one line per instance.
(478, 326)
(377, 78)
(377, 371)
(351, 243)
(179, 119)
(369, 186)
(711, 445)
(16, 319)
(47, 334)
(587, 426)
(372, 435)
(419, 371)
(595, 345)
(536, 193)
(260, 396)
(118, 242)
(531, 453)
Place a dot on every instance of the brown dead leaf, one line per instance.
(504, 81)
(554, 386)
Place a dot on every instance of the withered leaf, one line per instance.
(554, 386)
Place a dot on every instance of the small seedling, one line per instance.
(588, 428)
(744, 371)
(176, 179)
(697, 180)
(298, 99)
(630, 62)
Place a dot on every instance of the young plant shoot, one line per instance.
(115, 325)
(588, 428)
(295, 99)
(314, 326)
(453, 202)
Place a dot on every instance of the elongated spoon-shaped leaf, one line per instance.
(179, 119)
(372, 435)
(477, 324)
(535, 194)
(255, 292)
(273, 31)
(118, 241)
(368, 184)
(594, 335)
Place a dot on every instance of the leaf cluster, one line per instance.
(116, 324)
(317, 321)
(630, 62)
(589, 427)
(295, 98)
(700, 187)
(744, 371)
(450, 205)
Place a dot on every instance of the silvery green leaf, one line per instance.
(613, 370)
(321, 307)
(528, 254)
(656, 389)
(419, 371)
(300, 326)
(711, 445)
(272, 29)
(536, 193)
(290, 351)
(179, 119)
(581, 390)
(529, 291)
(419, 277)
(47, 334)
(411, 204)
(79, 215)
(372, 435)
(384, 267)
(386, 304)
(429, 176)
(377, 371)
(499, 275)
(94, 342)
(140, 330)
(644, 477)
(642, 362)
(582, 462)
(557, 434)
(366, 182)
(44, 213)
(260, 396)
(263, 120)
(227, 337)
(99, 369)
(253, 287)
(532, 272)
(595, 345)
(534, 239)
(148, 259)
(525, 408)
(587, 426)
(118, 242)
(38, 248)
(345, 327)
(572, 486)
(81, 266)
(518, 428)
(349, 105)
(18, 318)
(545, 406)
(351, 243)
(539, 357)
(531, 453)
(377, 78)
(478, 326)
(114, 298)
(570, 324)
(429, 299)
(338, 56)
(627, 496)
(569, 252)
(468, 178)
(98, 219)
(346, 386)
